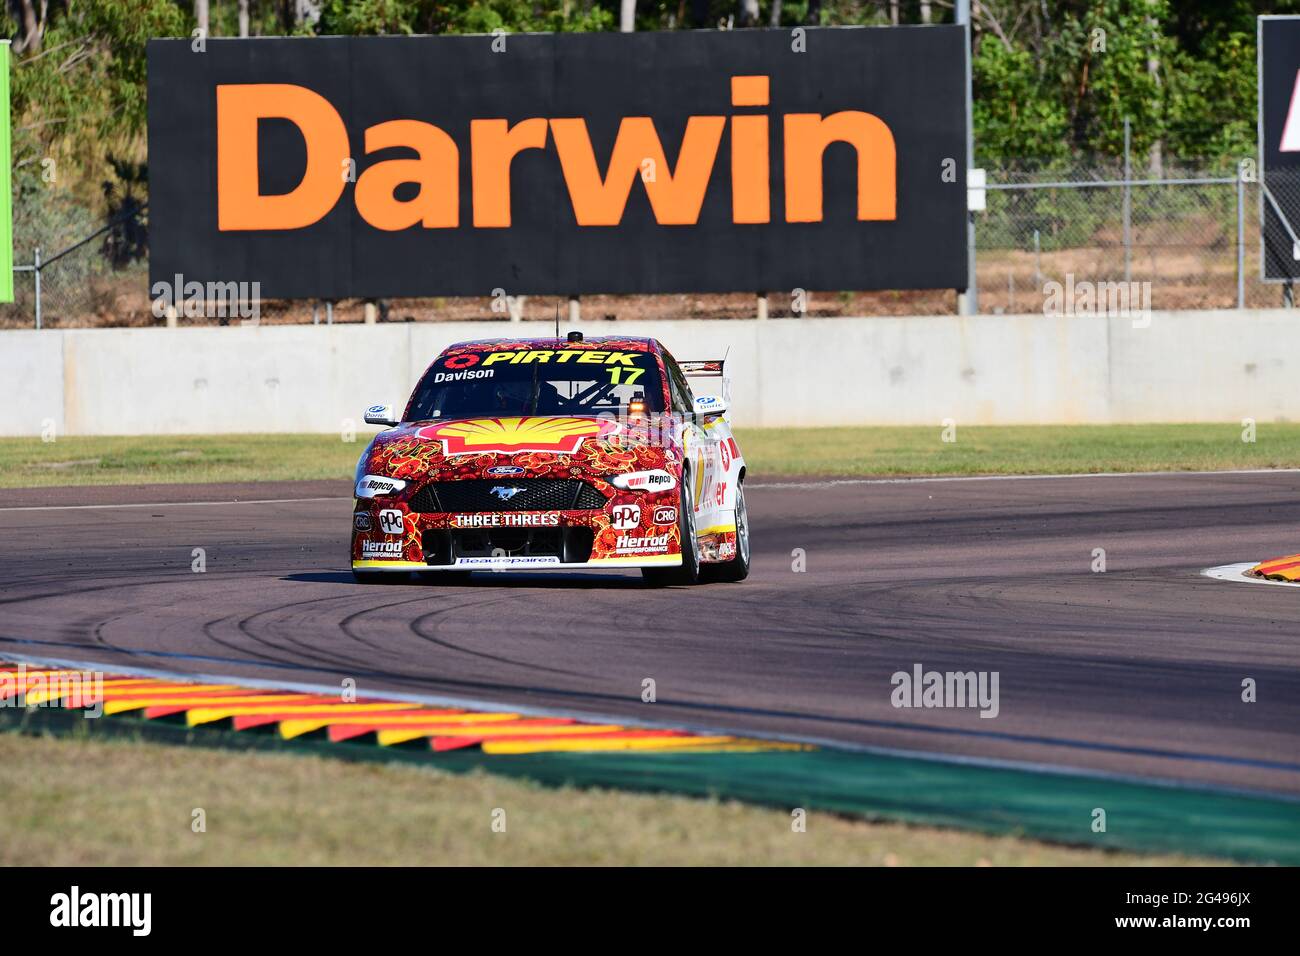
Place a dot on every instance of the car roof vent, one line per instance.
(575, 336)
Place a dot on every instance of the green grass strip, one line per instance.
(1054, 807)
(848, 451)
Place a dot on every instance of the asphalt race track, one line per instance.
(1137, 670)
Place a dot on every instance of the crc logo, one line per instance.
(665, 515)
(391, 521)
(626, 517)
(504, 492)
(361, 522)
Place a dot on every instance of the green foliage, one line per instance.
(1014, 110)
(518, 16)
(368, 17)
(1105, 66)
(1058, 79)
(82, 95)
(402, 17)
(1211, 100)
(1053, 79)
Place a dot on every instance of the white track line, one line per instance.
(827, 483)
(175, 504)
(1235, 573)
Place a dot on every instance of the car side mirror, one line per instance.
(710, 405)
(381, 415)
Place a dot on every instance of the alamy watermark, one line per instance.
(1122, 300)
(208, 300)
(922, 688)
(75, 690)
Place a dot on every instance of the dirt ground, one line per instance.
(1010, 282)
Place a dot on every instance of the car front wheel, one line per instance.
(737, 569)
(689, 571)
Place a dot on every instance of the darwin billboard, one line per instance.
(692, 161)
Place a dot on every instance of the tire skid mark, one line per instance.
(437, 616)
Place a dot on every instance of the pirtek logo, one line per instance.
(676, 194)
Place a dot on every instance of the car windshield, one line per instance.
(536, 381)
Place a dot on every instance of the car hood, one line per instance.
(540, 446)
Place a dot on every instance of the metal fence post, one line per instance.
(1038, 261)
(1128, 201)
(1241, 241)
(36, 271)
(968, 301)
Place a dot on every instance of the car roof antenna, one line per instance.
(557, 320)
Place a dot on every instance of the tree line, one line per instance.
(1053, 80)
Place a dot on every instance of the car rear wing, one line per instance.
(709, 368)
(703, 367)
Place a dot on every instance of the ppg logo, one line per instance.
(391, 521)
(626, 517)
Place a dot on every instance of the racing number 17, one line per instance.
(616, 376)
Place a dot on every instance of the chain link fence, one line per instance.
(87, 283)
(81, 287)
(1280, 212)
(1191, 234)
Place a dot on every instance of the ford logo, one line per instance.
(501, 471)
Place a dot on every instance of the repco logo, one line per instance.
(676, 194)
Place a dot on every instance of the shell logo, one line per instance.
(563, 436)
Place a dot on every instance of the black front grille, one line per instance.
(570, 545)
(534, 494)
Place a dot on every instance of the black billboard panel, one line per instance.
(1279, 146)
(691, 161)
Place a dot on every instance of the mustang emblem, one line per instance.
(504, 492)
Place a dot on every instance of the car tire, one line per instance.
(737, 569)
(688, 572)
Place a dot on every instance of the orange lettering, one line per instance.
(751, 190)
(494, 145)
(806, 137)
(750, 90)
(240, 203)
(675, 195)
(438, 204)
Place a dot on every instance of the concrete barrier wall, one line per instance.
(1186, 366)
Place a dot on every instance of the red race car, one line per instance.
(553, 454)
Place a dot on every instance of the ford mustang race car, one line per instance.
(544, 454)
